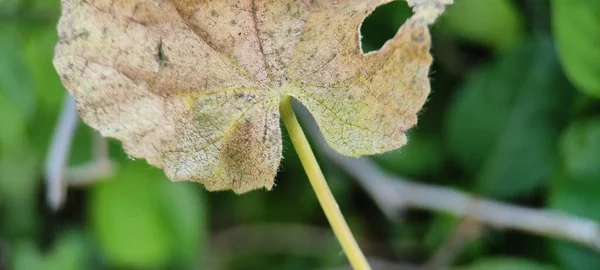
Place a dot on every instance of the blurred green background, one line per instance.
(514, 115)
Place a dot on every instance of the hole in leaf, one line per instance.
(383, 24)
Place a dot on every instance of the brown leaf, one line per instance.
(193, 86)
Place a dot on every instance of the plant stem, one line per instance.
(319, 185)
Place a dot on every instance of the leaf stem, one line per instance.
(317, 180)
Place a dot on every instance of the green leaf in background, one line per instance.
(580, 147)
(442, 227)
(422, 157)
(383, 24)
(18, 174)
(184, 211)
(576, 25)
(38, 49)
(27, 256)
(38, 54)
(494, 23)
(507, 264)
(70, 252)
(9, 7)
(580, 198)
(46, 9)
(504, 123)
(575, 189)
(15, 78)
(141, 219)
(14, 127)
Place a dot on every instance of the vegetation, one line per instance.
(513, 116)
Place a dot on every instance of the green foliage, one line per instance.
(507, 264)
(383, 25)
(18, 163)
(15, 78)
(512, 108)
(445, 225)
(576, 24)
(581, 150)
(422, 157)
(38, 51)
(70, 253)
(142, 220)
(579, 198)
(502, 121)
(494, 23)
(575, 188)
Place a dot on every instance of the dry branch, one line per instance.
(393, 194)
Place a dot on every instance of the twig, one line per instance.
(58, 156)
(100, 167)
(394, 194)
(57, 173)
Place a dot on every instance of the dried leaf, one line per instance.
(194, 86)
